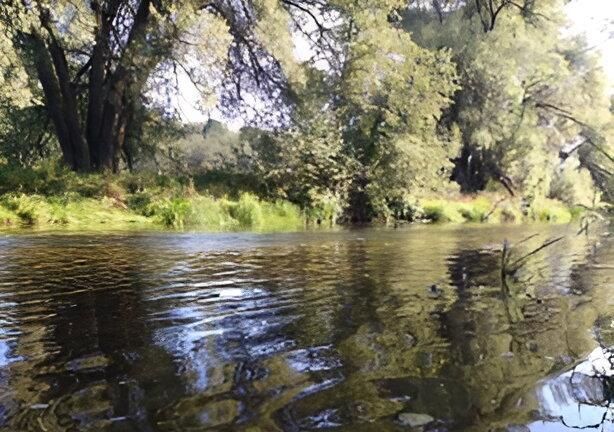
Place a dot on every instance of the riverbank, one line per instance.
(135, 201)
(245, 212)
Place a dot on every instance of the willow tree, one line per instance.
(531, 98)
(98, 62)
(366, 133)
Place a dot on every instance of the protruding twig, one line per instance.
(514, 266)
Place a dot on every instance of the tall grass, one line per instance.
(51, 196)
(209, 213)
(493, 210)
(206, 212)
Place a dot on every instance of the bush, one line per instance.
(548, 210)
(141, 203)
(7, 217)
(324, 207)
(35, 210)
(211, 214)
(572, 185)
(441, 211)
(476, 210)
(509, 213)
(172, 212)
(281, 215)
(247, 211)
(27, 208)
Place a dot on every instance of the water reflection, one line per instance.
(579, 398)
(302, 331)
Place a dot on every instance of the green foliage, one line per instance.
(309, 166)
(493, 209)
(527, 93)
(247, 211)
(172, 212)
(368, 137)
(509, 213)
(477, 211)
(441, 211)
(35, 209)
(547, 210)
(573, 185)
(7, 217)
(397, 104)
(204, 212)
(55, 197)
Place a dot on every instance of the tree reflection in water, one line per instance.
(303, 331)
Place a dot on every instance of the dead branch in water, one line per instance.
(515, 266)
(510, 268)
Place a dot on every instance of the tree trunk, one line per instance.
(53, 97)
(96, 95)
(98, 142)
(71, 114)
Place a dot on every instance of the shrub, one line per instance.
(7, 217)
(281, 215)
(26, 207)
(172, 212)
(247, 211)
(508, 213)
(324, 207)
(548, 210)
(572, 185)
(477, 209)
(141, 203)
(210, 213)
(441, 211)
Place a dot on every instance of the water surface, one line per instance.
(357, 330)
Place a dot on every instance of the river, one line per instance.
(348, 330)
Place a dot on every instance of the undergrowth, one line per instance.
(50, 196)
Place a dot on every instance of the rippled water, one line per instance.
(359, 330)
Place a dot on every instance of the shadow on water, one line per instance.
(366, 330)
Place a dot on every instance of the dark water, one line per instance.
(306, 331)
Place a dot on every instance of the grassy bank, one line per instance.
(198, 211)
(49, 197)
(494, 209)
(203, 212)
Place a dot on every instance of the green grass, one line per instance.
(439, 210)
(51, 197)
(141, 211)
(548, 210)
(491, 209)
(176, 209)
(7, 217)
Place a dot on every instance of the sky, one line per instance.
(593, 18)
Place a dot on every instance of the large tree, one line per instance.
(97, 62)
(530, 96)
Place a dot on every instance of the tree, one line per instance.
(527, 92)
(391, 96)
(367, 134)
(98, 61)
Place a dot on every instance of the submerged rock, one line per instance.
(414, 419)
(434, 292)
